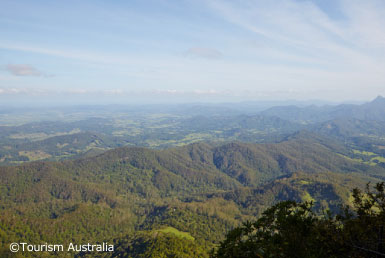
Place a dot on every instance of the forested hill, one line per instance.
(359, 126)
(198, 191)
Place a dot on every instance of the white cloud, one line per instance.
(64, 53)
(296, 45)
(23, 70)
(202, 52)
(302, 27)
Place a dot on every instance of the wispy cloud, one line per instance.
(23, 70)
(83, 91)
(65, 53)
(311, 47)
(202, 52)
(303, 28)
(162, 94)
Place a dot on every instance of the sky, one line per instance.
(191, 50)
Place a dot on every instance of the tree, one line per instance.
(291, 229)
(364, 227)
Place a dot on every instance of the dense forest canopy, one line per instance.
(82, 181)
(291, 229)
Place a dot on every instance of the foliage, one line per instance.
(202, 189)
(291, 229)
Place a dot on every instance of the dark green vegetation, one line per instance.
(56, 141)
(184, 198)
(94, 180)
(290, 229)
(92, 130)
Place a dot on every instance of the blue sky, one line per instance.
(192, 50)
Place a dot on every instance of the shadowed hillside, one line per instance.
(203, 189)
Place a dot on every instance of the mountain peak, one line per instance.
(379, 99)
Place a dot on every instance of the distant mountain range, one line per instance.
(360, 126)
(197, 178)
(374, 111)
